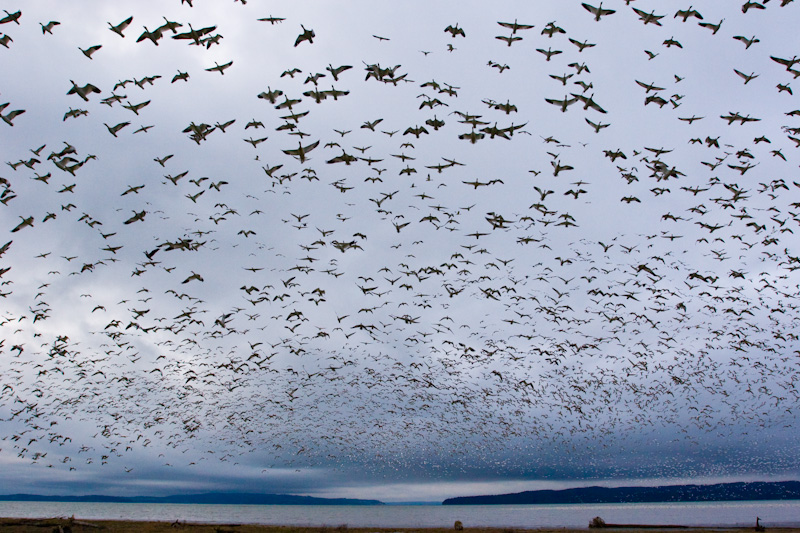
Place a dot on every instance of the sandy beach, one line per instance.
(65, 525)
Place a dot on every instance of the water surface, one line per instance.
(772, 514)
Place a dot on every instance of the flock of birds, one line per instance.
(298, 286)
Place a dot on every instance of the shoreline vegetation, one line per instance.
(75, 525)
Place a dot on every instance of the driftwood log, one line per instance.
(598, 523)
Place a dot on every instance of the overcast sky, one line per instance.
(222, 276)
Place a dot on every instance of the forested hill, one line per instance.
(207, 498)
(781, 490)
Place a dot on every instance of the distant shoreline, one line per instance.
(211, 498)
(719, 492)
(689, 493)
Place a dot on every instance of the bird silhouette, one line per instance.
(119, 28)
(48, 28)
(154, 36)
(9, 117)
(307, 35)
(83, 91)
(11, 17)
(685, 14)
(455, 31)
(598, 11)
(747, 42)
(91, 50)
(648, 18)
(220, 68)
(515, 26)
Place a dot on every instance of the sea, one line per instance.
(709, 514)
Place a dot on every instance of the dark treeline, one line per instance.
(781, 490)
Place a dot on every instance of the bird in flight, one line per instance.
(685, 14)
(271, 19)
(581, 45)
(300, 152)
(113, 130)
(220, 68)
(713, 27)
(84, 91)
(563, 104)
(649, 18)
(515, 26)
(335, 71)
(307, 35)
(598, 11)
(8, 117)
(747, 42)
(25, 222)
(48, 28)
(455, 30)
(91, 50)
(510, 39)
(11, 17)
(746, 77)
(119, 28)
